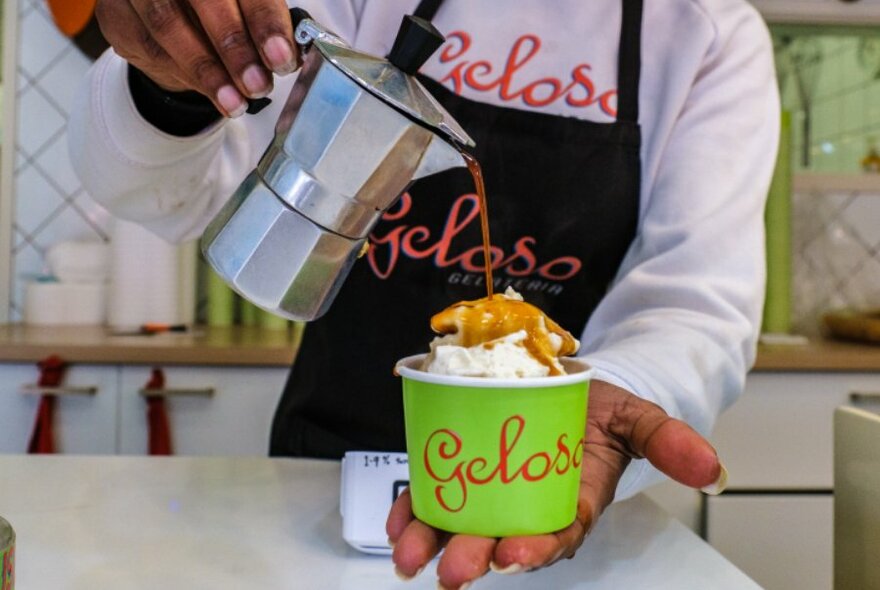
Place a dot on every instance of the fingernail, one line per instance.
(464, 586)
(280, 55)
(391, 543)
(231, 101)
(513, 568)
(404, 576)
(256, 82)
(720, 484)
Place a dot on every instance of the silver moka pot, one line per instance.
(355, 132)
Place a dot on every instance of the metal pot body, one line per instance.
(340, 158)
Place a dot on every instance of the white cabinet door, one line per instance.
(681, 502)
(84, 424)
(234, 420)
(778, 436)
(781, 541)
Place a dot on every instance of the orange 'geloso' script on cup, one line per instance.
(445, 460)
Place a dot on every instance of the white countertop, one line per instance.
(120, 523)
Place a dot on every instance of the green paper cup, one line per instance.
(7, 556)
(495, 457)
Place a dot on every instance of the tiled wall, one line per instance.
(50, 204)
(836, 255)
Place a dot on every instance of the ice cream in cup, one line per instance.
(495, 421)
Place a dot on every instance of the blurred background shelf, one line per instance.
(823, 182)
(820, 12)
(203, 346)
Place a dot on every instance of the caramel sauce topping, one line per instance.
(490, 318)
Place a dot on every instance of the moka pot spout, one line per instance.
(441, 155)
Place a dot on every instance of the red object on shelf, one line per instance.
(72, 16)
(43, 435)
(159, 431)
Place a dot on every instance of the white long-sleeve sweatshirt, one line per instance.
(679, 324)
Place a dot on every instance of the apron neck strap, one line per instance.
(629, 63)
(427, 9)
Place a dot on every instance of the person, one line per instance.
(627, 148)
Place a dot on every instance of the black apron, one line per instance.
(563, 201)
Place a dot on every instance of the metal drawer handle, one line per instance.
(65, 390)
(191, 392)
(860, 397)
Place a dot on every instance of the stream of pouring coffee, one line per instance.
(485, 321)
(477, 172)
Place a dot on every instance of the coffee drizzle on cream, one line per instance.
(484, 320)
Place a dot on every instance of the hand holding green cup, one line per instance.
(495, 457)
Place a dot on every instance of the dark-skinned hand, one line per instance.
(620, 427)
(224, 49)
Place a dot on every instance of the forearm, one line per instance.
(680, 324)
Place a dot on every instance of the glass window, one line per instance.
(830, 82)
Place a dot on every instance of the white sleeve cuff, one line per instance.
(123, 127)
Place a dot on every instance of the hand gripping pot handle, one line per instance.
(256, 105)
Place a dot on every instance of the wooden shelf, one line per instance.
(817, 12)
(818, 355)
(813, 182)
(236, 346)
